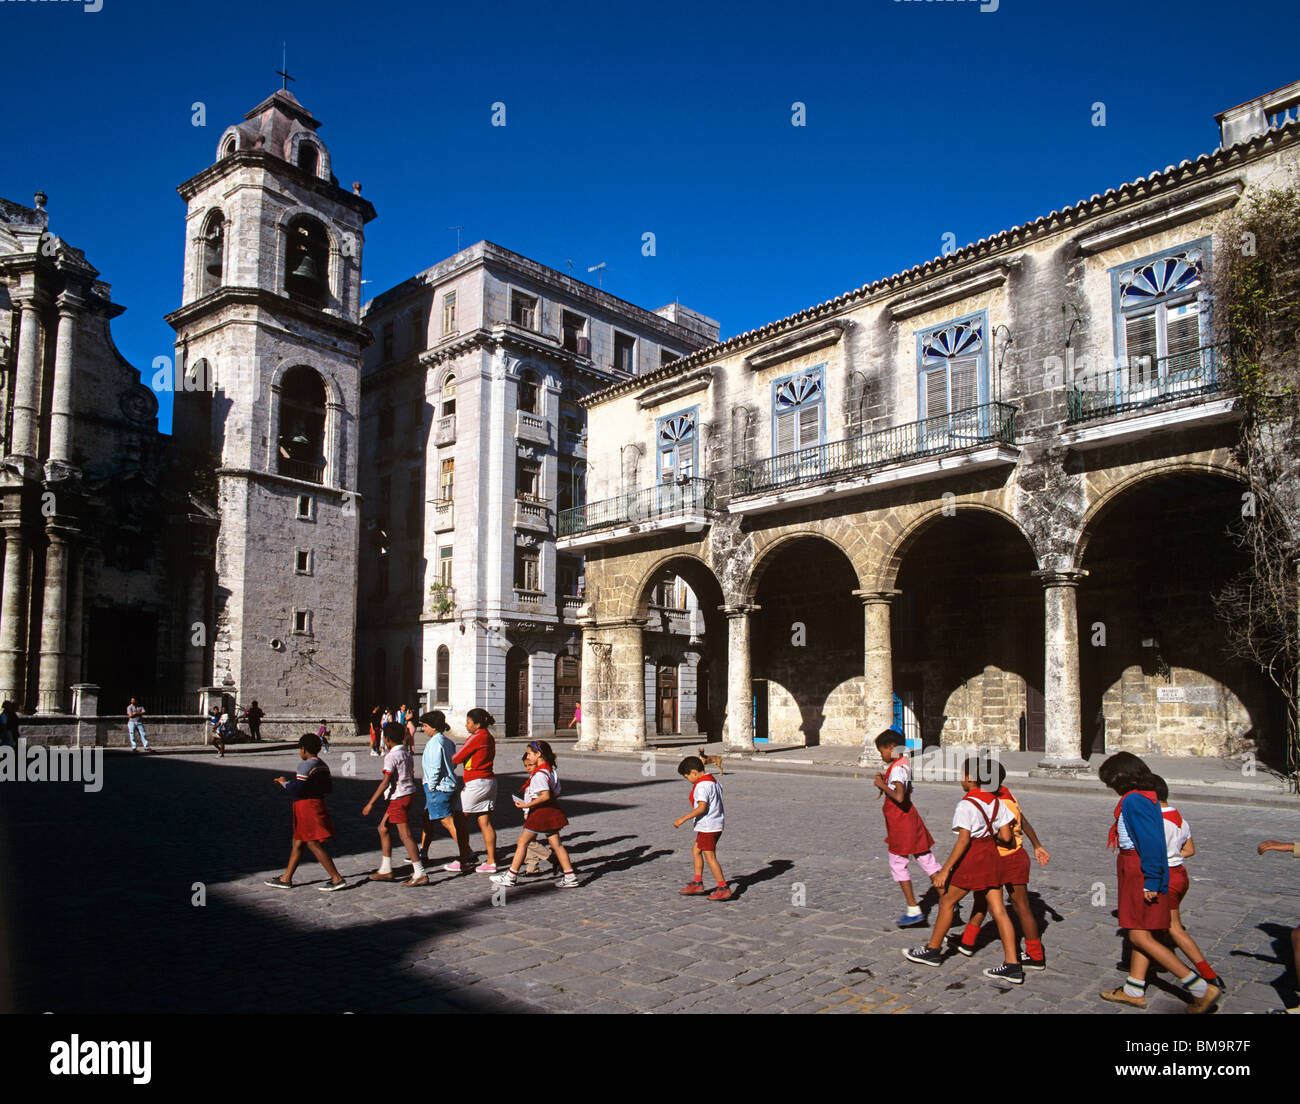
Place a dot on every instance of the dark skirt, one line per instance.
(979, 867)
(1134, 911)
(545, 819)
(1014, 868)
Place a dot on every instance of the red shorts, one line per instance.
(1013, 869)
(311, 820)
(545, 819)
(399, 809)
(979, 867)
(1179, 884)
(707, 841)
(1134, 911)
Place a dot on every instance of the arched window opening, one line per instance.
(214, 244)
(308, 158)
(442, 684)
(529, 390)
(307, 262)
(230, 147)
(301, 451)
(448, 407)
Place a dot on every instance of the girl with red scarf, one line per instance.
(1142, 867)
(544, 814)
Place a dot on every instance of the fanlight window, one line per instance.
(952, 361)
(677, 447)
(1160, 316)
(797, 412)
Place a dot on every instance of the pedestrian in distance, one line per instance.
(478, 798)
(323, 733)
(1013, 861)
(1179, 848)
(906, 835)
(980, 822)
(376, 727)
(1142, 867)
(540, 800)
(135, 726)
(709, 817)
(312, 826)
(442, 788)
(218, 730)
(9, 724)
(399, 783)
(254, 717)
(1294, 850)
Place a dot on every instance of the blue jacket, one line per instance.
(1146, 825)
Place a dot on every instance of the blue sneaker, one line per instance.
(906, 921)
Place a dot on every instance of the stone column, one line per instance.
(76, 614)
(613, 686)
(54, 627)
(738, 726)
(13, 616)
(1061, 700)
(878, 669)
(64, 354)
(27, 382)
(85, 705)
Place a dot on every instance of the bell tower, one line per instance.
(267, 390)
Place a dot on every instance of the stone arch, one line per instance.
(335, 260)
(332, 446)
(212, 251)
(1120, 481)
(905, 533)
(231, 134)
(837, 532)
(640, 593)
(293, 152)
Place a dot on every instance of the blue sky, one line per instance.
(923, 118)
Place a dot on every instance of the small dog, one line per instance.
(715, 759)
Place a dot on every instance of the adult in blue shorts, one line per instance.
(442, 788)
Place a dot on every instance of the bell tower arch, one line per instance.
(267, 384)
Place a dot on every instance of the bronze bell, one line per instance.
(214, 266)
(307, 270)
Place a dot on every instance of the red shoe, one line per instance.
(722, 893)
(694, 889)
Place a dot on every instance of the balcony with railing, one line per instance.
(980, 436)
(531, 513)
(444, 515)
(445, 430)
(1188, 388)
(306, 470)
(683, 504)
(532, 427)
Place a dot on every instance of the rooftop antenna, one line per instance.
(600, 271)
(283, 71)
(570, 263)
(458, 229)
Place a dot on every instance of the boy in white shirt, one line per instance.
(1178, 847)
(706, 811)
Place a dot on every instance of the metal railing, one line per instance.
(1147, 382)
(953, 432)
(665, 500)
(307, 471)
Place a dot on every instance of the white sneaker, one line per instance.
(569, 881)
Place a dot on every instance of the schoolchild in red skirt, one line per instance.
(980, 821)
(1013, 862)
(906, 835)
(1178, 848)
(1142, 867)
(311, 820)
(545, 817)
(399, 781)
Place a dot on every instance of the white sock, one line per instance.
(1134, 988)
(417, 869)
(1194, 984)
(386, 865)
(913, 910)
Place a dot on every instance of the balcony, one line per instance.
(570, 605)
(531, 513)
(306, 470)
(532, 427)
(575, 444)
(1179, 391)
(445, 430)
(979, 437)
(529, 599)
(444, 516)
(685, 504)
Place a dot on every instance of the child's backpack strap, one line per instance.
(988, 822)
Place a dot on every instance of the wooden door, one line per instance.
(516, 694)
(568, 688)
(666, 698)
(1035, 719)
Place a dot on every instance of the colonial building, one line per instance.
(472, 440)
(988, 495)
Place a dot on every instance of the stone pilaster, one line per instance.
(613, 686)
(27, 382)
(738, 725)
(13, 616)
(64, 361)
(878, 670)
(52, 670)
(1061, 697)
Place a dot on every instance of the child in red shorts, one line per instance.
(311, 820)
(1013, 862)
(399, 781)
(1142, 867)
(981, 821)
(706, 811)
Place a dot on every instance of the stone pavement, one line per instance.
(98, 892)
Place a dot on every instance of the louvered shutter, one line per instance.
(810, 427)
(936, 392)
(686, 459)
(964, 376)
(1183, 337)
(1140, 345)
(786, 432)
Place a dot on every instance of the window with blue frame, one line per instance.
(952, 366)
(676, 436)
(1159, 314)
(798, 411)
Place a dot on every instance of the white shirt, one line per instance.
(712, 817)
(400, 768)
(542, 779)
(968, 817)
(900, 771)
(1176, 837)
(135, 712)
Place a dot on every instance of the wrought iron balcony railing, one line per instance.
(1147, 382)
(953, 432)
(683, 496)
